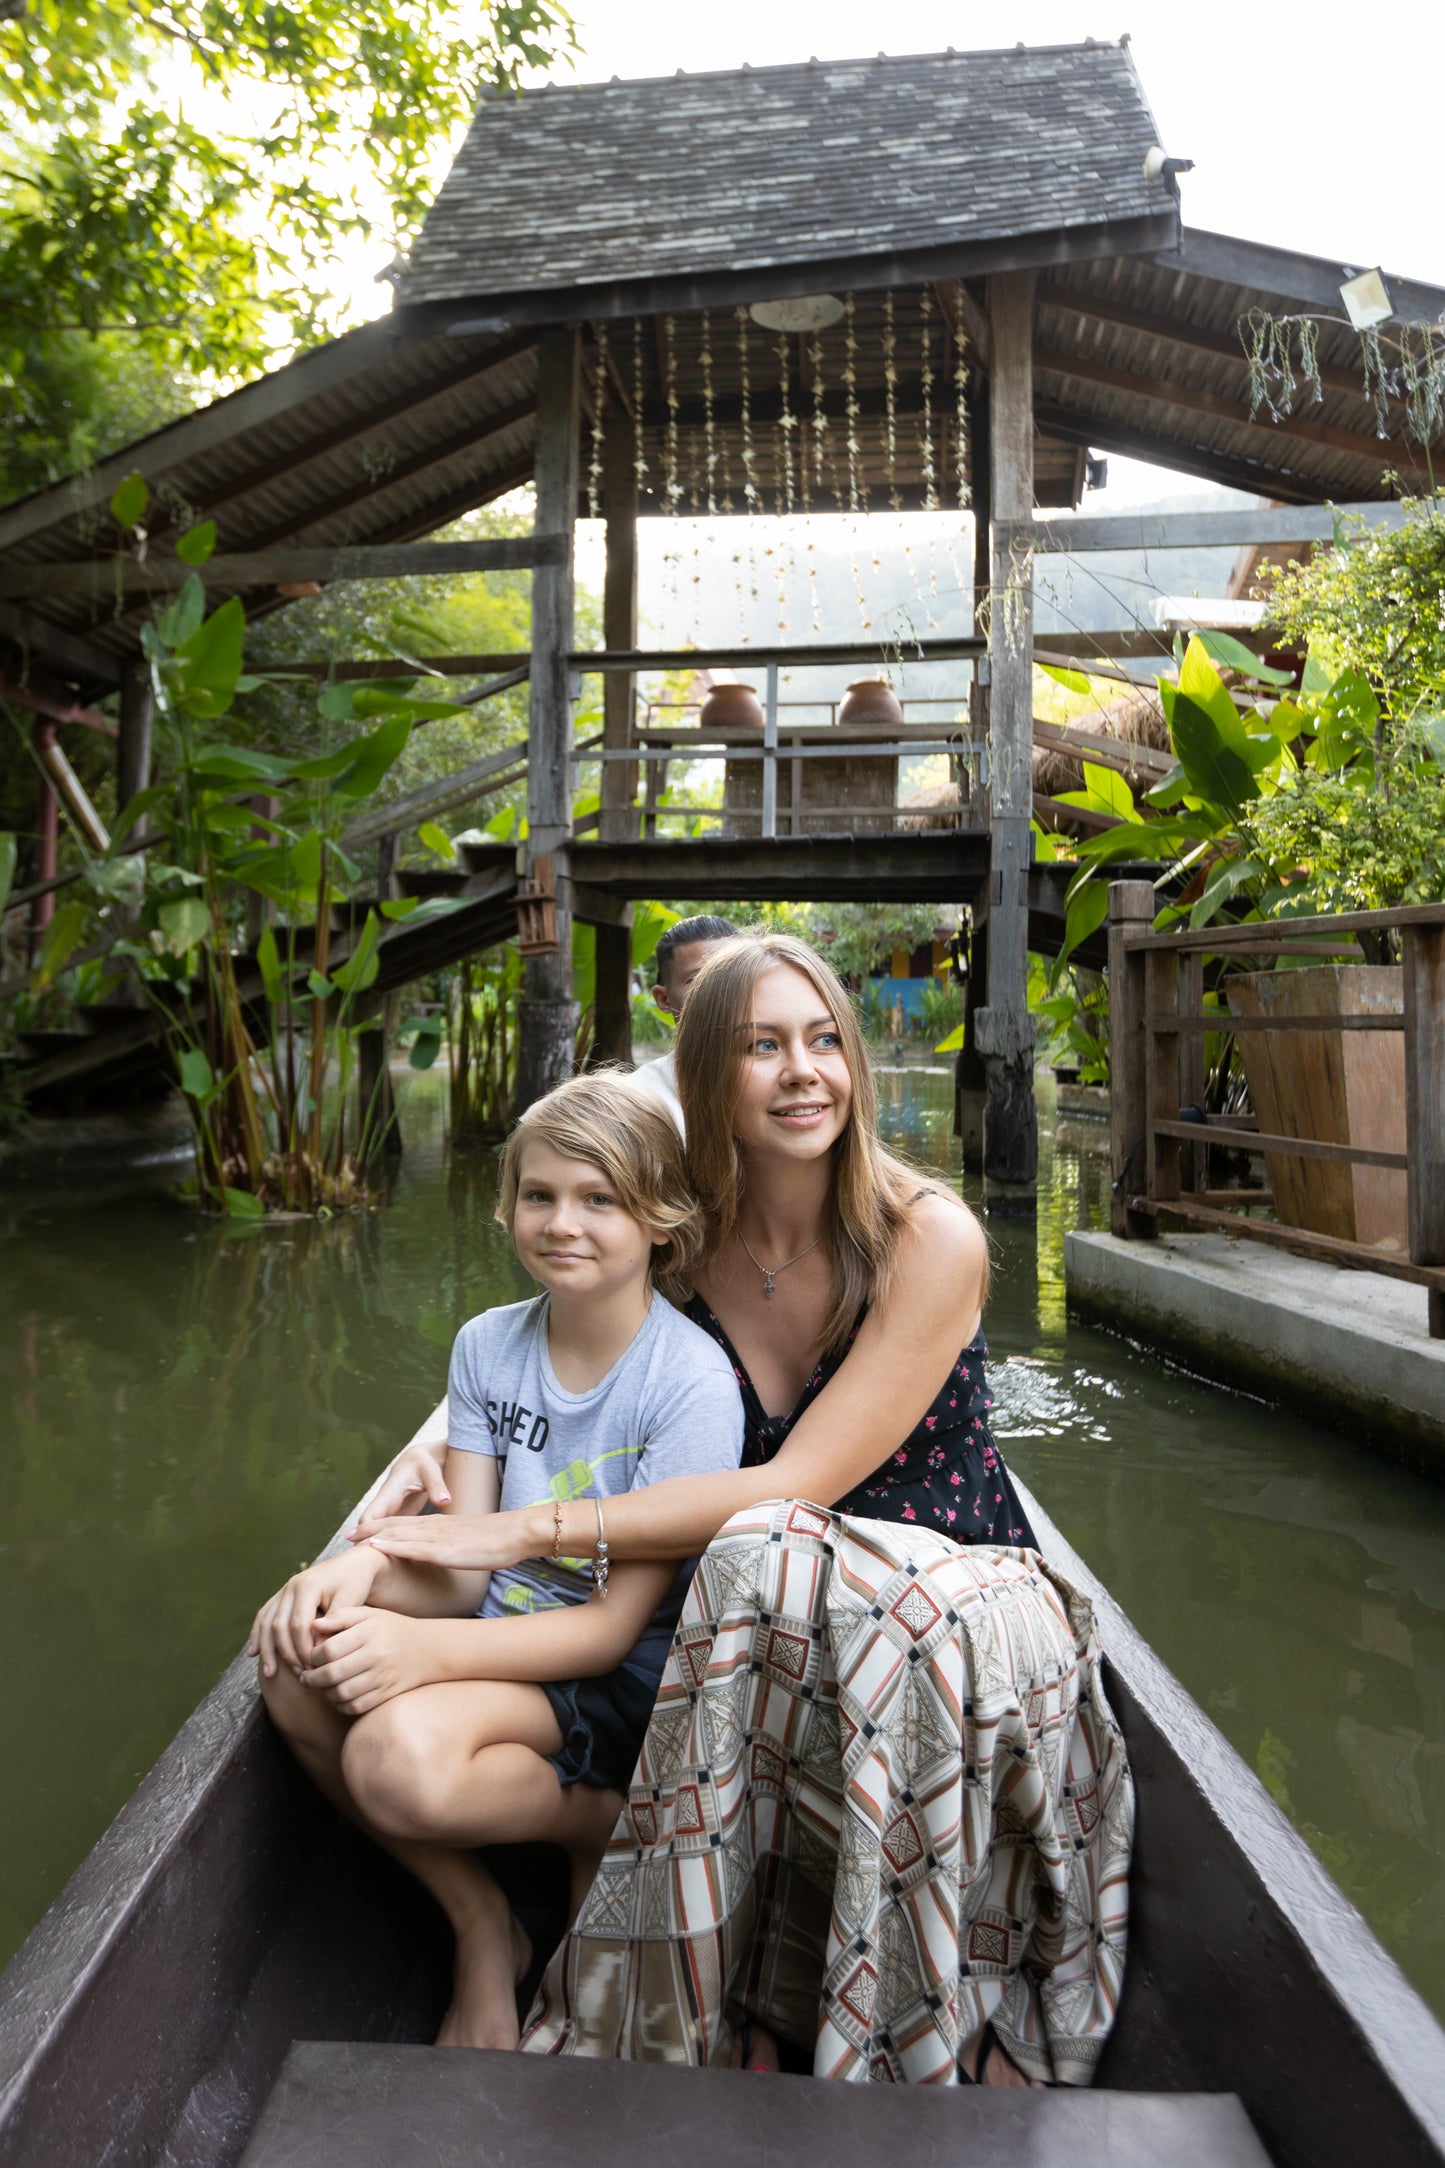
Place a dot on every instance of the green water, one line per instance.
(195, 1410)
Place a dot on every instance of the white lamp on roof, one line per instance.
(1367, 300)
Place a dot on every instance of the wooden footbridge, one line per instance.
(884, 284)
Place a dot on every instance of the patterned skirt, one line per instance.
(881, 1799)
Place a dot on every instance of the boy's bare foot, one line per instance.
(987, 2062)
(596, 1808)
(754, 2048)
(492, 1957)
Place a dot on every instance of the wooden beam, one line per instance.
(1175, 331)
(1263, 524)
(434, 453)
(689, 293)
(1284, 275)
(1203, 461)
(310, 376)
(56, 711)
(473, 781)
(1327, 1249)
(1424, 973)
(346, 432)
(99, 577)
(1161, 391)
(69, 653)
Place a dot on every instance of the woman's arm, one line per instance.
(363, 1656)
(881, 1391)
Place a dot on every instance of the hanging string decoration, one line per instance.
(599, 402)
(672, 486)
(890, 401)
(1404, 366)
(787, 425)
(850, 401)
(639, 457)
(926, 378)
(960, 420)
(709, 414)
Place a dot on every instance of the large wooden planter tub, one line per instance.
(1340, 1087)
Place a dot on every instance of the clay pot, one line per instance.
(731, 707)
(870, 700)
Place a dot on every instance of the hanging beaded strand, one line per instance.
(599, 402)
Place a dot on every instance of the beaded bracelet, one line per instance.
(557, 1532)
(600, 1567)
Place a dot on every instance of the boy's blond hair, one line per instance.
(607, 1122)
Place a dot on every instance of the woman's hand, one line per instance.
(476, 1540)
(363, 1657)
(413, 1480)
(283, 1629)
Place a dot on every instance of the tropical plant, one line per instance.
(265, 1040)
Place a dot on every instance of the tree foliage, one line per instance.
(183, 172)
(1376, 602)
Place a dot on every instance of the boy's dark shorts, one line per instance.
(603, 1722)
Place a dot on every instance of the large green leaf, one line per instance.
(1215, 759)
(1088, 908)
(236, 764)
(197, 1081)
(208, 663)
(184, 923)
(185, 613)
(241, 1205)
(196, 544)
(1104, 791)
(63, 939)
(361, 966)
(8, 854)
(1073, 681)
(427, 1044)
(268, 962)
(129, 501)
(142, 803)
(1222, 647)
(650, 922)
(436, 840)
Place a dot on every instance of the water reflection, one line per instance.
(195, 1410)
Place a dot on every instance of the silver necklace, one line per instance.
(770, 1273)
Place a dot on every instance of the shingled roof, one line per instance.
(924, 163)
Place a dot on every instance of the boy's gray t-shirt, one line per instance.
(669, 1406)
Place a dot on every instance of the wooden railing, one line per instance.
(1161, 1136)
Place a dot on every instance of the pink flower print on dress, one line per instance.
(909, 1514)
(930, 1422)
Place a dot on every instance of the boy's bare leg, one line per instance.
(492, 1948)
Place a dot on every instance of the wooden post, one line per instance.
(1005, 1029)
(47, 839)
(548, 1014)
(133, 747)
(1424, 967)
(612, 1027)
(373, 1070)
(1163, 1071)
(968, 1074)
(1131, 910)
(618, 822)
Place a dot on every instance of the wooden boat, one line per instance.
(227, 1914)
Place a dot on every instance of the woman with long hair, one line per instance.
(883, 1810)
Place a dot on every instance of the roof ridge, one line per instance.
(750, 71)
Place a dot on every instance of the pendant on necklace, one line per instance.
(768, 1287)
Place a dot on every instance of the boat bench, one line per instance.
(419, 2107)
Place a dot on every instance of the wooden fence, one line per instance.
(1161, 1136)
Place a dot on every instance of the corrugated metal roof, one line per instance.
(590, 184)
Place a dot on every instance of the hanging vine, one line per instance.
(709, 417)
(1404, 366)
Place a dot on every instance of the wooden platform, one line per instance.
(409, 2107)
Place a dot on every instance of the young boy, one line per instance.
(443, 1709)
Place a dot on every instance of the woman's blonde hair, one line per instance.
(871, 1189)
(611, 1125)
